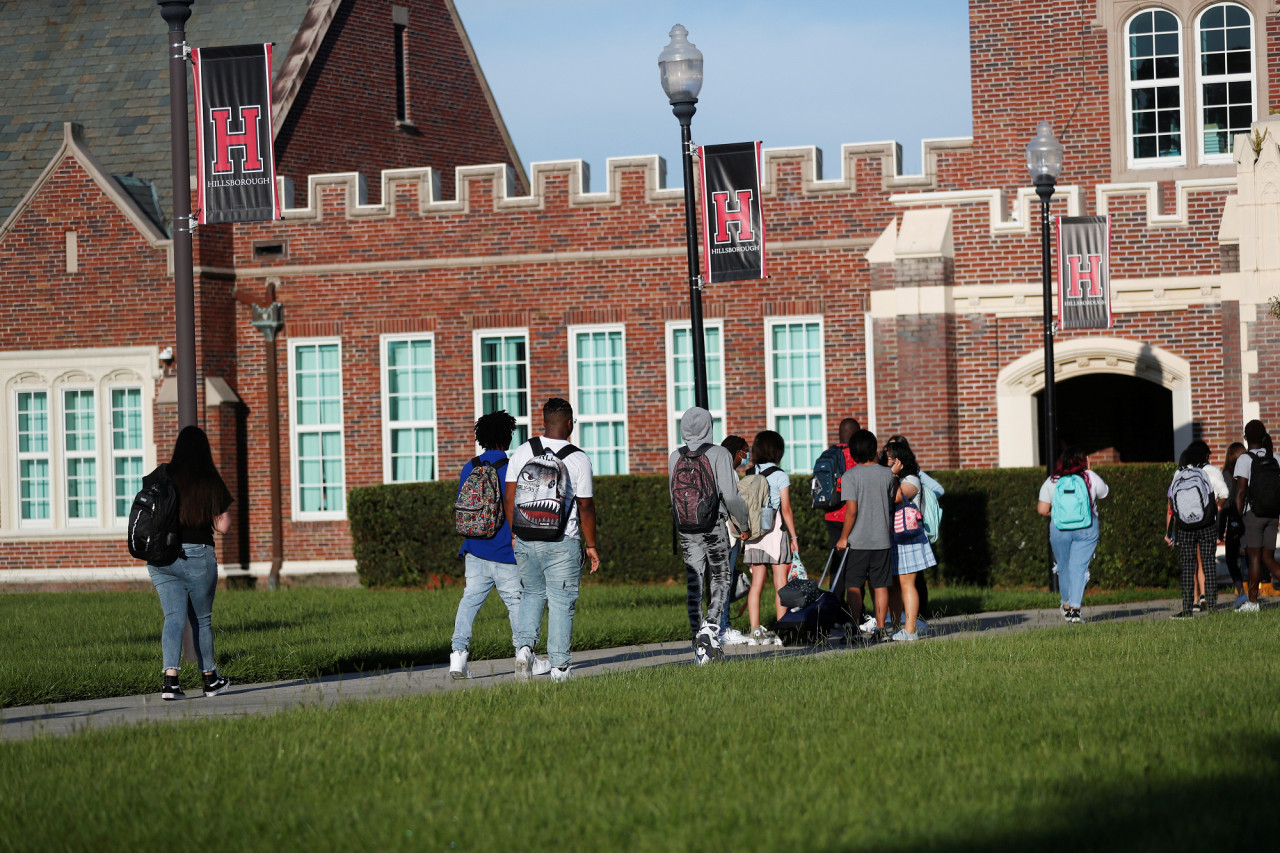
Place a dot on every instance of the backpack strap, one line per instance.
(535, 444)
(567, 451)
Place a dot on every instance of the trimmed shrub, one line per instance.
(403, 535)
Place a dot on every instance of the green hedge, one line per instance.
(402, 535)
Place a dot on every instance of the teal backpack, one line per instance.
(1072, 509)
(931, 512)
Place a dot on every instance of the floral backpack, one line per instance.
(478, 511)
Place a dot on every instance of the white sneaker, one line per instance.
(527, 663)
(559, 674)
(1248, 607)
(868, 625)
(903, 637)
(458, 664)
(733, 637)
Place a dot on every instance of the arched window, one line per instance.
(1225, 78)
(1153, 50)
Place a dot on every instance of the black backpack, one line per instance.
(694, 498)
(153, 520)
(825, 485)
(1264, 485)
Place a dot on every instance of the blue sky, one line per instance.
(578, 79)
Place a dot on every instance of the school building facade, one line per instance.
(418, 297)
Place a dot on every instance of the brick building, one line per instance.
(910, 301)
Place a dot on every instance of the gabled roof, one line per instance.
(105, 66)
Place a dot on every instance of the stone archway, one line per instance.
(1019, 383)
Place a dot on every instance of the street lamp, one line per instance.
(1044, 162)
(680, 65)
(269, 320)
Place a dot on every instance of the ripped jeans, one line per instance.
(709, 553)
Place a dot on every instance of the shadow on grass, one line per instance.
(1196, 813)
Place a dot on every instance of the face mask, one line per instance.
(746, 460)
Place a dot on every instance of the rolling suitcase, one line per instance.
(811, 623)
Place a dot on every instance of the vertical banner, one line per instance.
(1084, 277)
(732, 219)
(235, 162)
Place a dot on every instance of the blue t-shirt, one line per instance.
(498, 549)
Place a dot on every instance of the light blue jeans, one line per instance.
(1073, 549)
(186, 587)
(482, 576)
(549, 576)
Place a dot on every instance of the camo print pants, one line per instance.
(706, 554)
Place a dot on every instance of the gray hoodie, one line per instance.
(695, 429)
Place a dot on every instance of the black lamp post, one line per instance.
(1044, 162)
(176, 13)
(680, 64)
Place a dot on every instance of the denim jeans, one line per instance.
(482, 576)
(186, 586)
(1073, 549)
(549, 575)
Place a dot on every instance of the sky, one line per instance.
(578, 79)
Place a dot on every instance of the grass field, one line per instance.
(57, 647)
(1142, 735)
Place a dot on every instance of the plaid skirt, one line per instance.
(909, 559)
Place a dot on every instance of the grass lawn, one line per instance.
(57, 647)
(1143, 735)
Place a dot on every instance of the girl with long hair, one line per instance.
(1072, 547)
(775, 547)
(911, 546)
(186, 586)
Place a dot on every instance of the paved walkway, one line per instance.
(247, 699)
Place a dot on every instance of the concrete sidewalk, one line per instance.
(249, 699)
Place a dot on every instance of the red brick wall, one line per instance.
(344, 117)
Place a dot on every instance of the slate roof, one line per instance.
(104, 64)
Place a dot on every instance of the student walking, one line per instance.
(1231, 525)
(911, 544)
(187, 585)
(775, 547)
(704, 493)
(868, 492)
(549, 501)
(1070, 499)
(1257, 475)
(490, 559)
(1192, 526)
(729, 635)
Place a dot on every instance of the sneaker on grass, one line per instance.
(528, 664)
(903, 637)
(1075, 616)
(1248, 607)
(733, 637)
(559, 673)
(458, 664)
(762, 636)
(868, 625)
(706, 646)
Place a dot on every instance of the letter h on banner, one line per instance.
(247, 139)
(741, 216)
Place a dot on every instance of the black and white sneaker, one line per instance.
(214, 683)
(171, 690)
(706, 646)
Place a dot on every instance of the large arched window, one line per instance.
(1225, 81)
(1153, 51)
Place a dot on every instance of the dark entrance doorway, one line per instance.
(1114, 418)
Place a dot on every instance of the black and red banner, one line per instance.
(1084, 277)
(732, 219)
(235, 162)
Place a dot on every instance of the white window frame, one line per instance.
(792, 463)
(582, 417)
(112, 455)
(297, 513)
(673, 415)
(53, 373)
(477, 335)
(67, 455)
(47, 456)
(1156, 162)
(388, 426)
(1200, 82)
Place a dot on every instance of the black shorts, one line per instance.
(875, 566)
